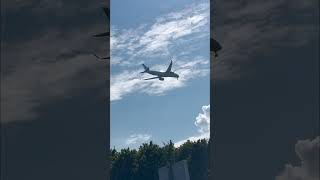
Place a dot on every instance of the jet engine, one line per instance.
(161, 78)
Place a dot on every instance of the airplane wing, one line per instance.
(169, 68)
(102, 34)
(152, 78)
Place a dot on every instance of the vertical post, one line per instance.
(171, 176)
(171, 160)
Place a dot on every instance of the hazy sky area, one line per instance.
(154, 33)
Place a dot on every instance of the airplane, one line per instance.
(215, 46)
(105, 34)
(160, 75)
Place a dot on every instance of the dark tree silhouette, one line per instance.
(143, 164)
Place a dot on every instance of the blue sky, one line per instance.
(153, 32)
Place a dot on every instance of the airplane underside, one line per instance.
(158, 74)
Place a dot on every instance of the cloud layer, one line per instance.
(149, 40)
(128, 82)
(138, 139)
(308, 153)
(172, 33)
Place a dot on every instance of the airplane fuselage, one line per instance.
(158, 74)
(163, 74)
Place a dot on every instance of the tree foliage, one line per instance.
(143, 164)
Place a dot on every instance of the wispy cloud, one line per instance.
(128, 82)
(172, 32)
(202, 122)
(137, 139)
(149, 40)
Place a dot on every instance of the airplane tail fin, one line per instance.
(146, 69)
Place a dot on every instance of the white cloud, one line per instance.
(202, 122)
(308, 153)
(162, 34)
(138, 139)
(155, 39)
(193, 138)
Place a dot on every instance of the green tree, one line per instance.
(143, 164)
(198, 167)
(184, 151)
(150, 158)
(124, 165)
